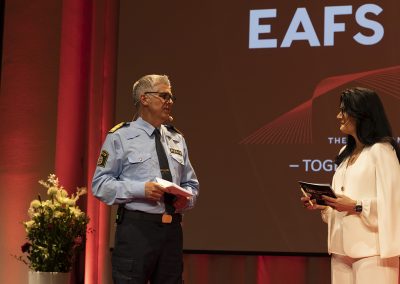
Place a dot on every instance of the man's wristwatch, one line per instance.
(358, 208)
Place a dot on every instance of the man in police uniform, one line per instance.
(148, 242)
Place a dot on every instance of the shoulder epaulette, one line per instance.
(170, 127)
(118, 126)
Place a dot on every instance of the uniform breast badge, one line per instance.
(175, 151)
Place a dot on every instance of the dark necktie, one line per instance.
(165, 172)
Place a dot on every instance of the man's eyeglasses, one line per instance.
(164, 95)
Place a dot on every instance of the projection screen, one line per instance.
(257, 86)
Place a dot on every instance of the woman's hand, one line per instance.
(341, 203)
(311, 204)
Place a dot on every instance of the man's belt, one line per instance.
(158, 218)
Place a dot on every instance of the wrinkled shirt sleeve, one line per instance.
(106, 185)
(189, 179)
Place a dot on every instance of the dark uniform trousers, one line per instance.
(147, 250)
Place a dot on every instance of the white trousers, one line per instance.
(368, 270)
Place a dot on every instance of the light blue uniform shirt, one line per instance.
(129, 159)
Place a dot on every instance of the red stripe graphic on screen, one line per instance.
(295, 126)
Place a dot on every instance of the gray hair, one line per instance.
(147, 84)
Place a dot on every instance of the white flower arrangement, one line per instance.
(56, 229)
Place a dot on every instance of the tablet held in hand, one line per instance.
(316, 190)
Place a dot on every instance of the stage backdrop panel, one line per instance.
(257, 86)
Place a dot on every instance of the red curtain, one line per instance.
(29, 80)
(86, 111)
(101, 117)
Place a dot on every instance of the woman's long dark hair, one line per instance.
(372, 125)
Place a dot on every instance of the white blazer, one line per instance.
(374, 179)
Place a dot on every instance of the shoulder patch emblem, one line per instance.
(101, 162)
(118, 126)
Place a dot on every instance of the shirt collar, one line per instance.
(144, 125)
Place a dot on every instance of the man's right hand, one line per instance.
(153, 191)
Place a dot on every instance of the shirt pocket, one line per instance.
(175, 148)
(138, 158)
(178, 158)
(139, 165)
(176, 152)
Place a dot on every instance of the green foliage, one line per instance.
(56, 230)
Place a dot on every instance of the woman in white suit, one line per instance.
(364, 220)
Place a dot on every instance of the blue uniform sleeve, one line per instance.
(106, 184)
(189, 179)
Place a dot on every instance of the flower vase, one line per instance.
(38, 277)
